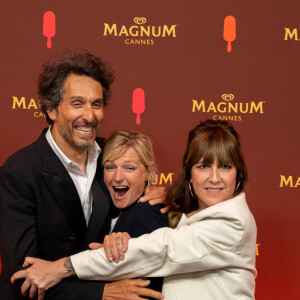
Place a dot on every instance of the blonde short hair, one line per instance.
(121, 140)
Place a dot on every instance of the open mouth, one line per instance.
(120, 191)
(214, 189)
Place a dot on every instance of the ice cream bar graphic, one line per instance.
(229, 33)
(49, 28)
(138, 103)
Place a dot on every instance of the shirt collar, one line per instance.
(93, 152)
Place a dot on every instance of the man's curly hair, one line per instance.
(51, 80)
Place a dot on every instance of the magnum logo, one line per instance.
(162, 179)
(289, 181)
(227, 110)
(290, 35)
(138, 104)
(257, 252)
(49, 27)
(28, 105)
(140, 34)
(140, 21)
(229, 32)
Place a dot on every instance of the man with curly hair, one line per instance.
(52, 196)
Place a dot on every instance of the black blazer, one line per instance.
(138, 219)
(41, 216)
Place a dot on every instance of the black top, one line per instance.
(138, 219)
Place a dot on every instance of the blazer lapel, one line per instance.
(62, 187)
(212, 210)
(99, 222)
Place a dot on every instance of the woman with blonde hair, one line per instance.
(129, 167)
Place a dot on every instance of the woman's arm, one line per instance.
(139, 219)
(208, 244)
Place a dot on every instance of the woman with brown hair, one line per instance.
(210, 251)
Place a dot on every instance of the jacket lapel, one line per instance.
(99, 222)
(63, 189)
(212, 210)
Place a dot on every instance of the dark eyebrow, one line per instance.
(99, 99)
(74, 98)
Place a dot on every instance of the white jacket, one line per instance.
(209, 256)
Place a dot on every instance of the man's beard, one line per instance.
(82, 144)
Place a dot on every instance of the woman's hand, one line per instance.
(42, 274)
(95, 246)
(115, 246)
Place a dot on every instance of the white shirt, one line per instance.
(82, 181)
(112, 224)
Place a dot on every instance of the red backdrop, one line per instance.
(175, 52)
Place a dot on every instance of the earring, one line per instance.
(238, 185)
(191, 191)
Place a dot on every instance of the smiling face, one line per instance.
(79, 115)
(125, 178)
(213, 183)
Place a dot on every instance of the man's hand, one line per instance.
(156, 195)
(115, 246)
(42, 275)
(129, 289)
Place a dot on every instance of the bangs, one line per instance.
(111, 153)
(214, 145)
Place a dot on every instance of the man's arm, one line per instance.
(207, 244)
(17, 233)
(43, 275)
(157, 195)
(19, 238)
(154, 194)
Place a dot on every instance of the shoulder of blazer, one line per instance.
(100, 141)
(235, 208)
(24, 155)
(37, 155)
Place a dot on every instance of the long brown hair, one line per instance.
(209, 140)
